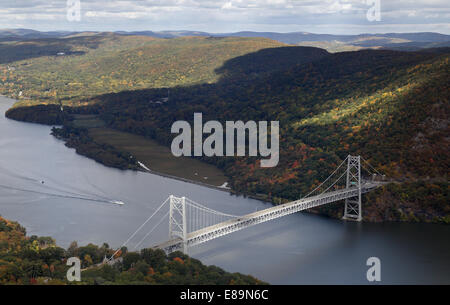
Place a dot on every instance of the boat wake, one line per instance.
(62, 192)
(80, 197)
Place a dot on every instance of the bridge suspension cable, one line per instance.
(138, 229)
(334, 183)
(200, 206)
(191, 223)
(326, 180)
(200, 216)
(151, 231)
(370, 166)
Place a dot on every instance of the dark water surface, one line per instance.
(297, 249)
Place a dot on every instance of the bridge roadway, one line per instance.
(236, 224)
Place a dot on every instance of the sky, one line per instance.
(224, 16)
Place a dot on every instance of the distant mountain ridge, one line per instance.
(401, 41)
(31, 34)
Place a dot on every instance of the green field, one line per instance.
(156, 157)
(159, 158)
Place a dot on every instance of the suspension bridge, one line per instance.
(191, 223)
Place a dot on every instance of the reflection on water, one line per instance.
(297, 249)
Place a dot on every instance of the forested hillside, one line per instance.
(38, 260)
(391, 107)
(93, 65)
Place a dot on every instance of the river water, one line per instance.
(44, 184)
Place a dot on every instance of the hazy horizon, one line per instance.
(337, 17)
(200, 31)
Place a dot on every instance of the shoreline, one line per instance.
(386, 207)
(169, 176)
(210, 186)
(149, 171)
(329, 212)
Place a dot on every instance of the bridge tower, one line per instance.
(353, 209)
(177, 220)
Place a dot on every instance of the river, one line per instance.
(36, 168)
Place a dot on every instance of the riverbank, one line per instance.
(159, 158)
(123, 150)
(308, 249)
(90, 137)
(133, 149)
(414, 201)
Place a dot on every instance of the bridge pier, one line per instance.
(353, 209)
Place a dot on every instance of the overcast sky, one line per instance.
(326, 16)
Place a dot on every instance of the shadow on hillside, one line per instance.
(11, 51)
(274, 71)
(255, 86)
(268, 60)
(265, 85)
(234, 72)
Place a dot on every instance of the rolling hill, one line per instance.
(93, 65)
(332, 43)
(391, 107)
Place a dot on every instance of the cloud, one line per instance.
(225, 15)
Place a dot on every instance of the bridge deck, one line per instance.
(232, 225)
